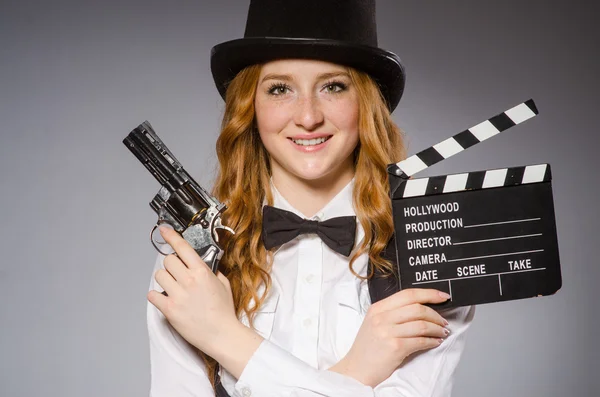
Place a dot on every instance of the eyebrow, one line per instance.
(287, 77)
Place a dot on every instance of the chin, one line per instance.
(313, 174)
(308, 175)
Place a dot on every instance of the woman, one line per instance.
(306, 134)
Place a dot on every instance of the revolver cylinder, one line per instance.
(181, 201)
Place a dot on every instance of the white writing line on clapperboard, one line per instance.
(491, 256)
(495, 239)
(481, 275)
(500, 284)
(500, 223)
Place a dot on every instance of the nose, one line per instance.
(308, 113)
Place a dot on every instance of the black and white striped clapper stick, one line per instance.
(474, 180)
(464, 140)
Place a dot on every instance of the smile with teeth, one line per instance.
(310, 142)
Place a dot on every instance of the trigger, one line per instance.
(225, 228)
(219, 225)
(216, 235)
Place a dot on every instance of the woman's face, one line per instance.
(307, 117)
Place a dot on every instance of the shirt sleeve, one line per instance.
(176, 368)
(274, 372)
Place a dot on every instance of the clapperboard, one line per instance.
(483, 236)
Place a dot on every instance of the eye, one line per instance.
(278, 89)
(335, 87)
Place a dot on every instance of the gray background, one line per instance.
(77, 76)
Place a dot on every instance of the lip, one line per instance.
(310, 136)
(310, 149)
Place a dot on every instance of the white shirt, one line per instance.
(309, 321)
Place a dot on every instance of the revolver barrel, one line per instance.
(181, 201)
(152, 152)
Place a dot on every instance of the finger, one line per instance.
(414, 312)
(157, 299)
(166, 281)
(175, 267)
(419, 328)
(421, 343)
(183, 249)
(410, 296)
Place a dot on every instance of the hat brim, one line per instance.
(229, 58)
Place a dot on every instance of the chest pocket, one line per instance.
(265, 316)
(352, 305)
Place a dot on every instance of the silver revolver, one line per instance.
(181, 202)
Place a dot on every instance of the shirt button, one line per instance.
(309, 279)
(246, 392)
(307, 322)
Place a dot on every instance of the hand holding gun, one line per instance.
(181, 202)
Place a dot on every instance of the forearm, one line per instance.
(234, 348)
(274, 372)
(345, 367)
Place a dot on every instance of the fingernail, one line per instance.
(446, 331)
(440, 341)
(445, 321)
(165, 226)
(444, 295)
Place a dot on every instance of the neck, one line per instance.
(309, 196)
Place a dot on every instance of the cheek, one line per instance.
(270, 118)
(346, 119)
(353, 123)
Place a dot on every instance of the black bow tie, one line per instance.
(281, 226)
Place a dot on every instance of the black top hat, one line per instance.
(337, 31)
